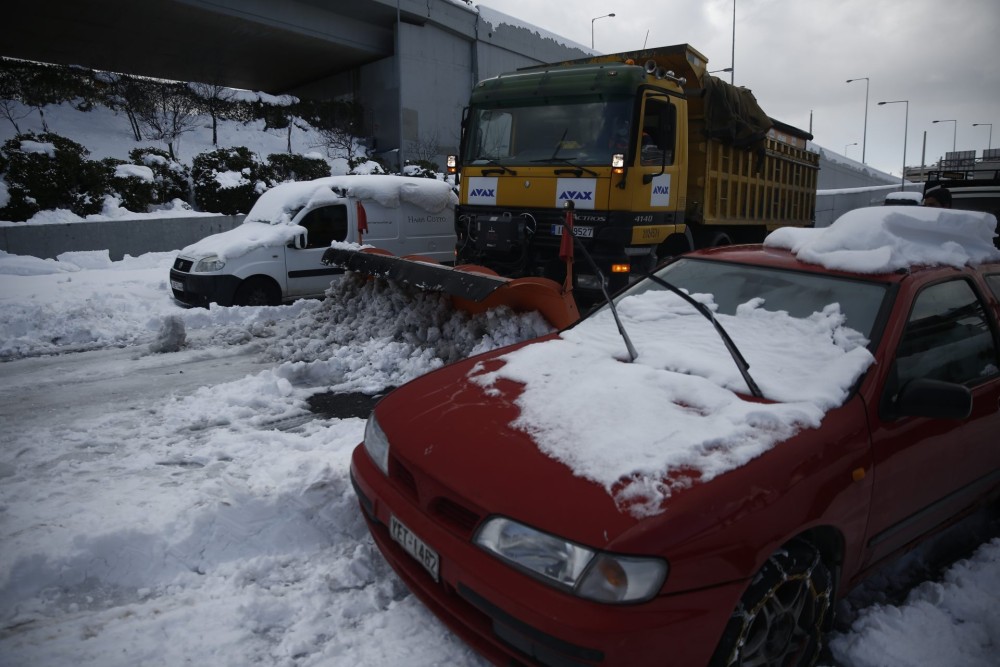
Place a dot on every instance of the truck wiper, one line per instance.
(734, 352)
(577, 169)
(502, 168)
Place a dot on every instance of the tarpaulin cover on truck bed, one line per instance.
(733, 116)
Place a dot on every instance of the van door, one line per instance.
(307, 275)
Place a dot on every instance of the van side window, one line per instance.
(658, 122)
(948, 337)
(325, 225)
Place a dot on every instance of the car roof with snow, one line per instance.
(280, 204)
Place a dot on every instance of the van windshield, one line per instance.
(585, 132)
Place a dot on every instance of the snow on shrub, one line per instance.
(228, 180)
(48, 171)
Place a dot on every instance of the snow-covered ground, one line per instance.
(186, 507)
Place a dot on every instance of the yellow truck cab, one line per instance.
(656, 156)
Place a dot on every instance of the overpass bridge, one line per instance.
(409, 63)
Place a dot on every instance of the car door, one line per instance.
(926, 470)
(307, 275)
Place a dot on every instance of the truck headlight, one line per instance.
(376, 444)
(585, 572)
(208, 264)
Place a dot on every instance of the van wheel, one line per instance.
(780, 618)
(257, 291)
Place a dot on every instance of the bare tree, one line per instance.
(11, 106)
(216, 99)
(127, 93)
(173, 112)
(426, 149)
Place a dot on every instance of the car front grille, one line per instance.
(183, 265)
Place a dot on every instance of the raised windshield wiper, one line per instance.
(501, 168)
(734, 352)
(632, 354)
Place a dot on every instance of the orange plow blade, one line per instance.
(472, 288)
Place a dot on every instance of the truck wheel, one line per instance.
(257, 291)
(720, 239)
(780, 619)
(676, 244)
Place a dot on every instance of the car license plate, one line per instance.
(582, 232)
(414, 546)
(177, 285)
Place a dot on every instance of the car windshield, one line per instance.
(587, 132)
(798, 293)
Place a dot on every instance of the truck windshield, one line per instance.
(584, 132)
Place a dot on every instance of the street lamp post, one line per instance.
(592, 27)
(906, 128)
(864, 137)
(989, 145)
(732, 56)
(848, 146)
(954, 136)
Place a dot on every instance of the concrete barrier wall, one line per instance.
(119, 237)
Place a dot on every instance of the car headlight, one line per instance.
(591, 574)
(376, 444)
(209, 264)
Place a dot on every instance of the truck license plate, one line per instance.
(177, 285)
(414, 546)
(582, 232)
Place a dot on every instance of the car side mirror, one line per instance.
(300, 241)
(933, 399)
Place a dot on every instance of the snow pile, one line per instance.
(882, 240)
(369, 335)
(84, 301)
(687, 414)
(948, 622)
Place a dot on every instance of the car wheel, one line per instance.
(257, 292)
(780, 619)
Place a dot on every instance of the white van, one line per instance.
(274, 256)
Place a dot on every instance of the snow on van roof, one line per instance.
(884, 239)
(279, 204)
(269, 222)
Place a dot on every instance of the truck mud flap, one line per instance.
(472, 288)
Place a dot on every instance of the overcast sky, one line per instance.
(796, 56)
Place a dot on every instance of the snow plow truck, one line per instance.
(643, 155)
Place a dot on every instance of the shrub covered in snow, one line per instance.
(283, 167)
(228, 180)
(171, 179)
(47, 171)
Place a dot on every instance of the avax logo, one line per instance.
(661, 190)
(482, 192)
(578, 196)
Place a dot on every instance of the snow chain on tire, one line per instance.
(784, 564)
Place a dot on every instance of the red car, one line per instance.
(537, 546)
